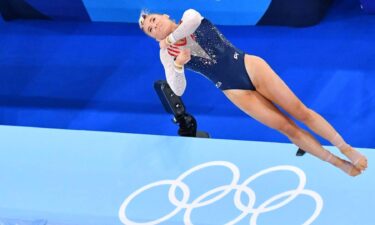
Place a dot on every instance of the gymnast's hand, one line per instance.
(184, 57)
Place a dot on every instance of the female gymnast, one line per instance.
(247, 80)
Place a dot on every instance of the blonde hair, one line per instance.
(142, 16)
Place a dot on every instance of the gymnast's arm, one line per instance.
(174, 72)
(190, 22)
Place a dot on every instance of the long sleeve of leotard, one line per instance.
(175, 77)
(191, 20)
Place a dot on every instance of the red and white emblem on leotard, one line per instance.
(175, 49)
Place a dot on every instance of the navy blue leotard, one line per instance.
(226, 65)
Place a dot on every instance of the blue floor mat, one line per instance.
(94, 178)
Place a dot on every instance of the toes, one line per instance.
(359, 160)
(362, 164)
(360, 167)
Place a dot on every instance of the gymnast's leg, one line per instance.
(269, 84)
(261, 109)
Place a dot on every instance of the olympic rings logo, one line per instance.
(221, 192)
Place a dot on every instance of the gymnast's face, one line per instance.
(157, 26)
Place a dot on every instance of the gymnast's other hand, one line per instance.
(184, 57)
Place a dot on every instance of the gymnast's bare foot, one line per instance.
(345, 166)
(357, 159)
